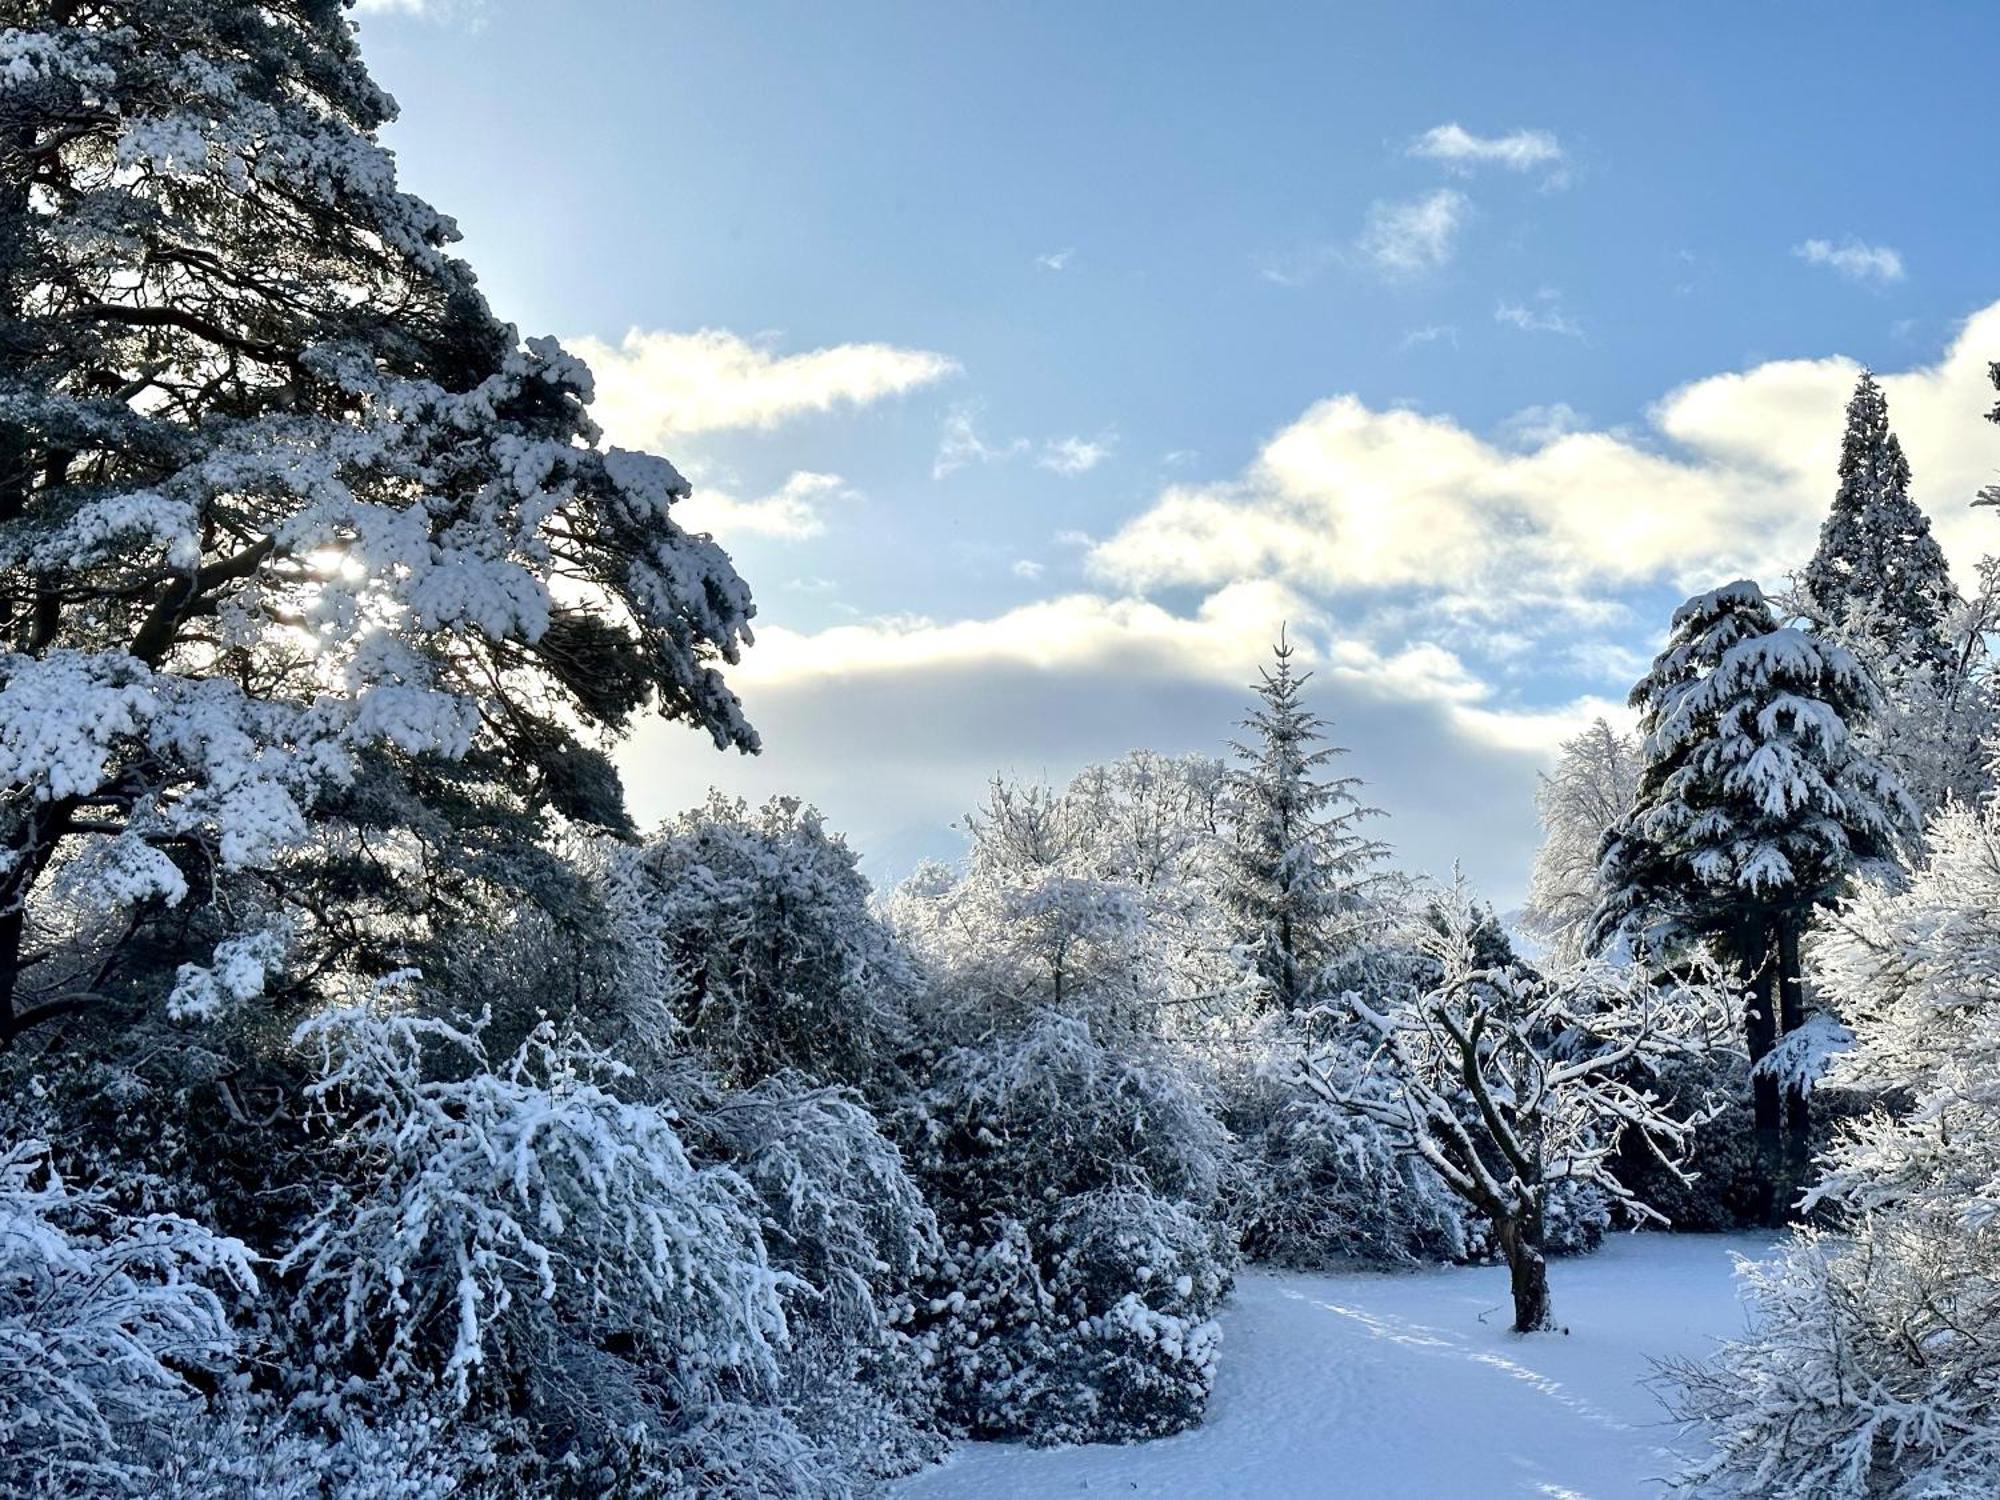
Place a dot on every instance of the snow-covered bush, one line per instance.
(1099, 1327)
(778, 959)
(1023, 1125)
(492, 1206)
(1084, 1190)
(844, 1218)
(1318, 1184)
(1871, 1370)
(106, 1320)
(249, 1448)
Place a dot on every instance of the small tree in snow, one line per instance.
(1591, 788)
(1755, 806)
(1301, 867)
(1508, 1083)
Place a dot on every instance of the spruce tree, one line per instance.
(1300, 869)
(1755, 806)
(306, 558)
(1879, 575)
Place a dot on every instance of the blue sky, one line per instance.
(1034, 361)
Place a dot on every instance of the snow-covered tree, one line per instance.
(1510, 1083)
(1755, 807)
(1591, 788)
(291, 526)
(776, 956)
(1877, 562)
(1098, 900)
(1059, 965)
(497, 1209)
(1870, 1368)
(107, 1321)
(1302, 867)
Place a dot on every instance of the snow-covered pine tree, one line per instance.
(1755, 806)
(1877, 559)
(1879, 586)
(1590, 789)
(1301, 869)
(287, 516)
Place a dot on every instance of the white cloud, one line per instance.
(1543, 315)
(960, 444)
(1415, 235)
(794, 511)
(1055, 260)
(1045, 688)
(1853, 259)
(1429, 335)
(1460, 149)
(1538, 426)
(1072, 456)
(653, 387)
(1028, 568)
(1733, 477)
(1399, 240)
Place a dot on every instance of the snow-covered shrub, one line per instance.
(1871, 1371)
(487, 1202)
(1084, 1187)
(1098, 1327)
(1317, 1184)
(105, 1321)
(844, 1218)
(250, 1449)
(1025, 1124)
(779, 961)
(1138, 1279)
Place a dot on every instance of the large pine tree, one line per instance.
(1755, 806)
(1300, 868)
(1878, 574)
(306, 558)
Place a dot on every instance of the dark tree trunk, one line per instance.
(1528, 1268)
(1760, 1030)
(1791, 1016)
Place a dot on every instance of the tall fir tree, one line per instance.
(1300, 869)
(1879, 574)
(1755, 806)
(296, 536)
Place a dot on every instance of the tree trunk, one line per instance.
(1791, 1016)
(1760, 1028)
(1521, 1242)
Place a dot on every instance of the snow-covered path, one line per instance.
(1366, 1386)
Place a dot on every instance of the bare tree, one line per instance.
(1508, 1082)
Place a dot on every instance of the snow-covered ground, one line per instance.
(1376, 1386)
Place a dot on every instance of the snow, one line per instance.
(1392, 1384)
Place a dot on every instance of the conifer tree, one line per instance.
(1878, 570)
(1300, 869)
(1755, 806)
(291, 525)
